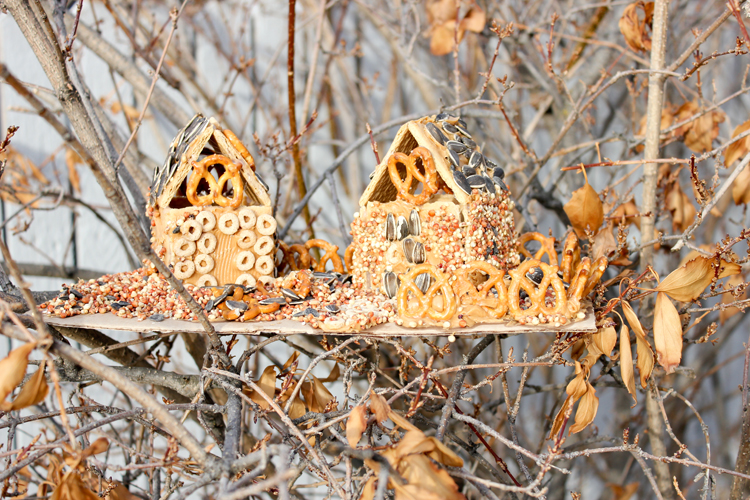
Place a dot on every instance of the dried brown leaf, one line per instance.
(585, 210)
(356, 425)
(626, 363)
(267, 383)
(636, 30)
(425, 480)
(667, 333)
(604, 243)
(72, 488)
(72, 160)
(687, 282)
(289, 361)
(316, 395)
(379, 407)
(442, 16)
(681, 207)
(740, 148)
(99, 446)
(645, 357)
(560, 417)
(401, 421)
(13, 369)
(586, 410)
(741, 187)
(605, 340)
(33, 392)
(334, 375)
(699, 133)
(474, 20)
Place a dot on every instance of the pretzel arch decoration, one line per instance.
(331, 253)
(429, 180)
(200, 172)
(232, 173)
(496, 307)
(425, 301)
(547, 247)
(536, 293)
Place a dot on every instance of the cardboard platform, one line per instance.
(291, 327)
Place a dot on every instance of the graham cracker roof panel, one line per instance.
(408, 137)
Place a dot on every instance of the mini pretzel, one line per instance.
(577, 288)
(536, 293)
(547, 248)
(425, 301)
(290, 253)
(330, 254)
(597, 270)
(429, 180)
(235, 141)
(253, 310)
(231, 174)
(200, 171)
(348, 256)
(465, 289)
(571, 256)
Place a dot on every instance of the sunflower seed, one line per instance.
(344, 278)
(461, 181)
(476, 181)
(442, 116)
(501, 185)
(418, 254)
(272, 300)
(306, 312)
(408, 246)
(156, 317)
(423, 282)
(76, 293)
(332, 309)
(415, 224)
(498, 173)
(468, 170)
(390, 227)
(476, 159)
(176, 229)
(110, 297)
(536, 276)
(290, 294)
(469, 143)
(324, 277)
(228, 290)
(450, 128)
(210, 305)
(390, 284)
(237, 305)
(402, 227)
(565, 283)
(463, 131)
(248, 288)
(489, 163)
(436, 134)
(455, 161)
(461, 123)
(489, 184)
(456, 146)
(119, 304)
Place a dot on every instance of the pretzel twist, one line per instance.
(536, 293)
(597, 270)
(426, 301)
(330, 254)
(231, 174)
(200, 172)
(577, 288)
(571, 256)
(547, 248)
(237, 143)
(404, 186)
(468, 293)
(299, 282)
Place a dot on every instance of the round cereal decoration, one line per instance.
(207, 243)
(264, 245)
(229, 223)
(266, 280)
(184, 269)
(204, 263)
(206, 219)
(245, 260)
(264, 265)
(266, 225)
(207, 280)
(191, 229)
(247, 218)
(184, 248)
(246, 238)
(246, 280)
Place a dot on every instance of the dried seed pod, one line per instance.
(415, 223)
(390, 284)
(390, 227)
(402, 227)
(408, 246)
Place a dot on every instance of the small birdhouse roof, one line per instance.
(411, 135)
(201, 136)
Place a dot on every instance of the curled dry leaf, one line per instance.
(99, 446)
(72, 160)
(728, 298)
(604, 243)
(645, 360)
(267, 383)
(667, 333)
(586, 411)
(698, 134)
(442, 16)
(72, 488)
(334, 375)
(635, 29)
(741, 187)
(33, 392)
(605, 340)
(576, 388)
(585, 210)
(626, 211)
(687, 282)
(356, 425)
(626, 363)
(740, 148)
(12, 371)
(681, 207)
(379, 407)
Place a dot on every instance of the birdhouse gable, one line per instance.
(412, 135)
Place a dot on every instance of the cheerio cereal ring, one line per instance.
(266, 280)
(266, 225)
(264, 265)
(247, 218)
(207, 243)
(263, 246)
(204, 263)
(229, 223)
(207, 280)
(246, 280)
(206, 219)
(191, 229)
(184, 269)
(246, 239)
(245, 260)
(184, 247)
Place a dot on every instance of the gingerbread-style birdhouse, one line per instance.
(211, 215)
(436, 199)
